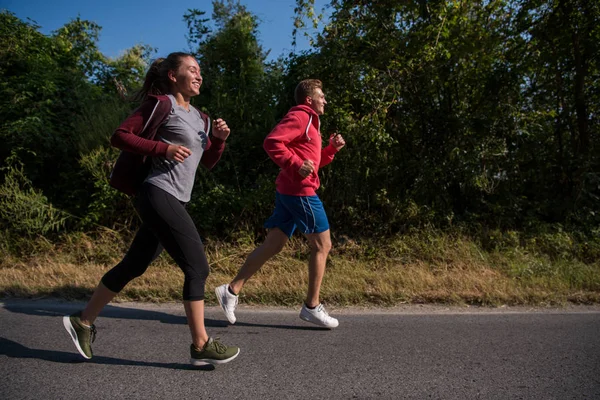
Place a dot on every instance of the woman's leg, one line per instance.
(80, 326)
(144, 249)
(101, 297)
(170, 222)
(194, 311)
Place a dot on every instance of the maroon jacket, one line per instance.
(135, 137)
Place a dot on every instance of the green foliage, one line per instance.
(44, 86)
(107, 206)
(479, 117)
(471, 112)
(61, 99)
(239, 87)
(222, 211)
(25, 211)
(123, 74)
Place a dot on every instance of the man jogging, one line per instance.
(295, 145)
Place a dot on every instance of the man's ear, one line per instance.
(308, 100)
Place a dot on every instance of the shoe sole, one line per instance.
(316, 322)
(220, 294)
(199, 362)
(73, 334)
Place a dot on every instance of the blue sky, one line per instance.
(157, 23)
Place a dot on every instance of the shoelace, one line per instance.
(235, 301)
(320, 308)
(219, 347)
(93, 332)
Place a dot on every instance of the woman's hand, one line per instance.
(178, 153)
(220, 129)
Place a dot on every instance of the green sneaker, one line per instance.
(83, 336)
(213, 352)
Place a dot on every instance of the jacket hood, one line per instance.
(158, 97)
(304, 108)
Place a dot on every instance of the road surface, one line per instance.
(412, 352)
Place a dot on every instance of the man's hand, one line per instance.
(307, 168)
(178, 153)
(220, 129)
(337, 141)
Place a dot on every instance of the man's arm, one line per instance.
(276, 143)
(336, 142)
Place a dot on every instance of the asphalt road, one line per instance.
(412, 352)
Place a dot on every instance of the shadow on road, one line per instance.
(57, 309)
(60, 309)
(17, 350)
(294, 327)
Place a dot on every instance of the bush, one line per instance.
(25, 211)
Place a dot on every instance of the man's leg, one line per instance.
(227, 295)
(312, 310)
(320, 245)
(281, 226)
(312, 221)
(272, 245)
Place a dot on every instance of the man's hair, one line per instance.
(305, 89)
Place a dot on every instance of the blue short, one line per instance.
(303, 212)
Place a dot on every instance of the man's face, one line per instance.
(317, 101)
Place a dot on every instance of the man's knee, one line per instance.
(275, 241)
(320, 242)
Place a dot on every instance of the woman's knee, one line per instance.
(197, 272)
(120, 275)
(203, 271)
(195, 283)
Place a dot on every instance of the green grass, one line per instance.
(422, 267)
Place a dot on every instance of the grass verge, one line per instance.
(434, 267)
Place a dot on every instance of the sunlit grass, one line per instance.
(417, 268)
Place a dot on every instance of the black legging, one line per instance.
(165, 223)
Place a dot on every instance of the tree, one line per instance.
(239, 86)
(450, 109)
(57, 101)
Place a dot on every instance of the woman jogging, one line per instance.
(162, 143)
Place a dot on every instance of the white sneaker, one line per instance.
(227, 301)
(318, 316)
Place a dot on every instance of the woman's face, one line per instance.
(186, 79)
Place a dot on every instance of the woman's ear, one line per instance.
(171, 75)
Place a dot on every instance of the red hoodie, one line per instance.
(294, 139)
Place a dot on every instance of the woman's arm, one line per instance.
(212, 152)
(130, 136)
